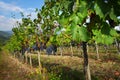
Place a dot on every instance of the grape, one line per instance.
(51, 49)
(28, 49)
(34, 47)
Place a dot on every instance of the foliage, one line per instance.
(82, 20)
(72, 16)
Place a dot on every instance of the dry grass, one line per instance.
(70, 68)
(12, 69)
(106, 68)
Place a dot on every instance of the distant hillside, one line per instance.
(4, 36)
(9, 32)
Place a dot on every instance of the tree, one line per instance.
(83, 21)
(73, 15)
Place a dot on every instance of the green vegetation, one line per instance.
(83, 22)
(4, 37)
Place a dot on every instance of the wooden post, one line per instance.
(71, 48)
(26, 58)
(30, 60)
(40, 67)
(14, 54)
(117, 46)
(96, 45)
(61, 50)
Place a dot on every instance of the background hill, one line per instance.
(4, 36)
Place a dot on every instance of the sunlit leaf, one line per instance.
(112, 15)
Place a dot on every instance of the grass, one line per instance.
(12, 69)
(69, 68)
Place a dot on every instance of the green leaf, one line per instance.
(99, 37)
(84, 34)
(75, 32)
(79, 33)
(108, 40)
(75, 19)
(81, 16)
(112, 15)
(98, 10)
(63, 21)
(113, 33)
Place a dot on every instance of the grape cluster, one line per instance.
(52, 49)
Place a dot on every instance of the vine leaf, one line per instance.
(79, 33)
(112, 15)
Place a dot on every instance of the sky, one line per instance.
(10, 11)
